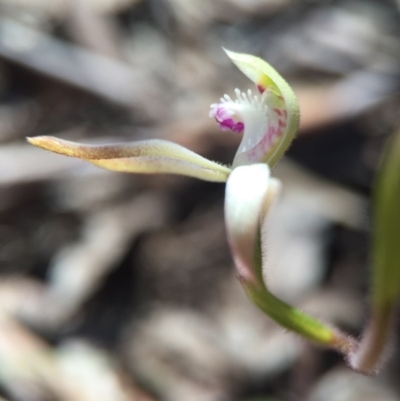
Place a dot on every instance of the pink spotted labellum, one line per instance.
(268, 121)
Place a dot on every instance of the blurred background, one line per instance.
(118, 287)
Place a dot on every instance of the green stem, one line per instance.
(374, 341)
(299, 322)
(291, 318)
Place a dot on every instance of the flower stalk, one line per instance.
(250, 194)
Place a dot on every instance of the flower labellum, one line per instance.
(268, 119)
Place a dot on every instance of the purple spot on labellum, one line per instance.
(230, 124)
(224, 119)
(260, 89)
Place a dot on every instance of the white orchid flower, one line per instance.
(268, 121)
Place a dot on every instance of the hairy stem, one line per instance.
(292, 318)
(371, 349)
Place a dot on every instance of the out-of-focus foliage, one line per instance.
(386, 261)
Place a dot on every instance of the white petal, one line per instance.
(250, 192)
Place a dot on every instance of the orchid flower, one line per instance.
(268, 120)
